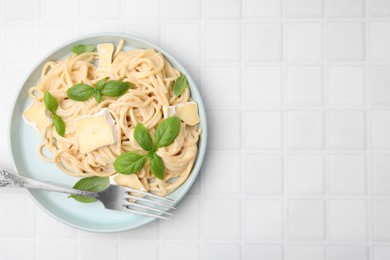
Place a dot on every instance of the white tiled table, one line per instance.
(298, 100)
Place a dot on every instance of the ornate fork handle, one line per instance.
(8, 179)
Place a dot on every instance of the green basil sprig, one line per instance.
(111, 88)
(180, 85)
(129, 162)
(81, 48)
(51, 104)
(132, 162)
(94, 184)
(80, 92)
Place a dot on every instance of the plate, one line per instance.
(24, 141)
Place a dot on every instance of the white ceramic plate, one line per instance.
(24, 141)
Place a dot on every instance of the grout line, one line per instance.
(243, 136)
(202, 201)
(368, 224)
(284, 81)
(326, 122)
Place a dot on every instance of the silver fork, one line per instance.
(114, 197)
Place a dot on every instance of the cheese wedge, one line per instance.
(95, 131)
(130, 181)
(35, 116)
(105, 51)
(187, 112)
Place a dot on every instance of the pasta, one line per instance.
(152, 77)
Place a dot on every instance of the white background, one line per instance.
(298, 100)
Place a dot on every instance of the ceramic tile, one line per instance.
(96, 249)
(149, 32)
(380, 125)
(306, 220)
(344, 8)
(305, 174)
(263, 174)
(263, 9)
(348, 252)
(215, 83)
(264, 219)
(188, 212)
(141, 10)
(222, 42)
(231, 9)
(263, 130)
(263, 42)
(379, 78)
(380, 223)
(346, 174)
(263, 86)
(20, 217)
(305, 130)
(346, 85)
(222, 251)
(24, 249)
(381, 252)
(180, 251)
(304, 41)
(56, 249)
(304, 8)
(69, 11)
(274, 252)
(101, 10)
(225, 130)
(346, 130)
(347, 220)
(182, 41)
(380, 166)
(180, 10)
(217, 169)
(379, 8)
(216, 220)
(379, 40)
(304, 86)
(306, 252)
(23, 10)
(137, 250)
(346, 41)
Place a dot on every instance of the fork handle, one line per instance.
(8, 179)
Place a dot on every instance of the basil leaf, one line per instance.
(50, 102)
(59, 125)
(81, 48)
(94, 184)
(142, 136)
(98, 96)
(115, 88)
(100, 84)
(167, 131)
(180, 85)
(157, 166)
(129, 162)
(80, 92)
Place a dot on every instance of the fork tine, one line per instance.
(150, 194)
(126, 209)
(128, 196)
(147, 207)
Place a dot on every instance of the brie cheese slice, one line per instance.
(95, 131)
(130, 181)
(35, 116)
(105, 51)
(187, 112)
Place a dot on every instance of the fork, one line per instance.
(114, 197)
